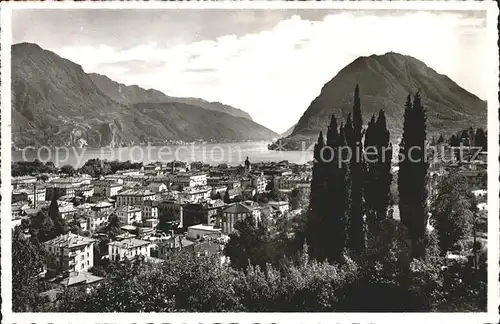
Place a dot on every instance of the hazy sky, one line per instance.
(270, 63)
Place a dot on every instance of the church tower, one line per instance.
(248, 165)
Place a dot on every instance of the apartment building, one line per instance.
(70, 252)
(129, 214)
(132, 197)
(128, 248)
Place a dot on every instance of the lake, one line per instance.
(229, 153)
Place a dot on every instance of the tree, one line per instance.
(41, 226)
(451, 212)
(68, 170)
(48, 223)
(27, 264)
(96, 168)
(112, 228)
(412, 176)
(378, 176)
(480, 139)
(355, 228)
(298, 199)
(75, 228)
(440, 139)
(60, 226)
(249, 244)
(227, 199)
(316, 198)
(329, 202)
(276, 195)
(454, 141)
(464, 137)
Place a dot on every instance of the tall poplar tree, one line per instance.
(378, 176)
(356, 235)
(412, 175)
(480, 139)
(316, 202)
(383, 168)
(370, 179)
(338, 195)
(60, 226)
(329, 200)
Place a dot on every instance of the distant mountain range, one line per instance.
(133, 94)
(288, 131)
(385, 81)
(53, 99)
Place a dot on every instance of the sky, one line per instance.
(270, 63)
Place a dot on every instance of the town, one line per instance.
(129, 210)
(159, 207)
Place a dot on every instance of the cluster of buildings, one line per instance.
(203, 204)
(471, 164)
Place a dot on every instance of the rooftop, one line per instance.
(136, 192)
(128, 209)
(81, 277)
(237, 208)
(196, 189)
(129, 243)
(278, 203)
(103, 204)
(204, 228)
(177, 241)
(70, 240)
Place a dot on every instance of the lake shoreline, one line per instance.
(221, 153)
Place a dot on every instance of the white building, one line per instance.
(151, 222)
(22, 181)
(195, 194)
(129, 214)
(200, 230)
(85, 191)
(259, 183)
(480, 193)
(28, 195)
(133, 197)
(281, 206)
(72, 252)
(130, 172)
(113, 189)
(130, 248)
(190, 179)
(157, 187)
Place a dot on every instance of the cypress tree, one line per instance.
(412, 175)
(338, 187)
(384, 175)
(370, 180)
(464, 138)
(325, 232)
(60, 226)
(378, 172)
(316, 199)
(356, 236)
(480, 139)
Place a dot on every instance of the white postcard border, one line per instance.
(493, 173)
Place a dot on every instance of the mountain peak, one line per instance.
(384, 82)
(27, 45)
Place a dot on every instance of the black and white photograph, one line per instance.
(238, 158)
